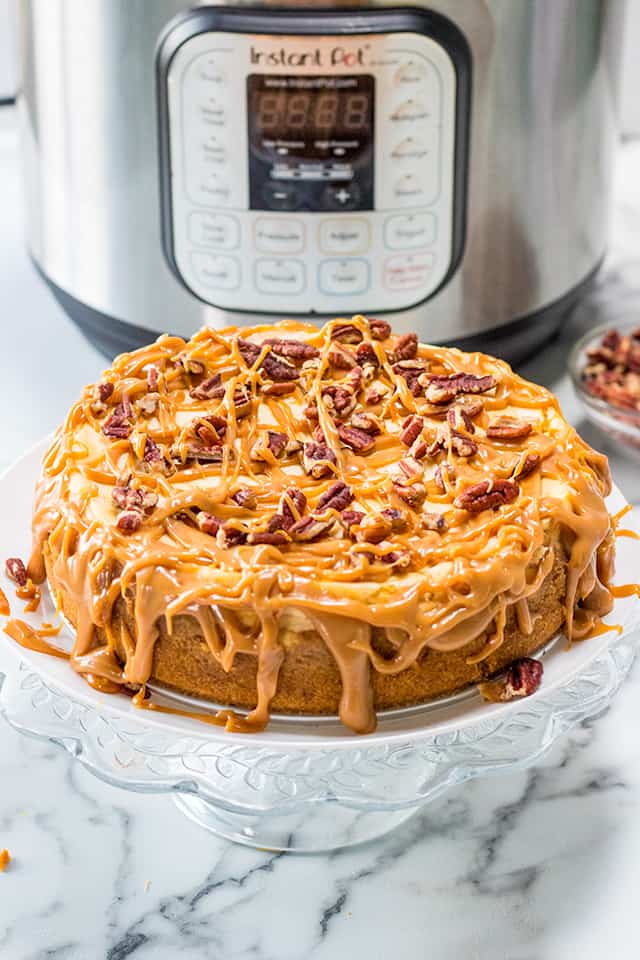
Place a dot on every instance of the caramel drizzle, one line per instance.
(459, 583)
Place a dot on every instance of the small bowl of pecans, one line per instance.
(605, 370)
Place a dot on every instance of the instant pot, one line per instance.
(445, 165)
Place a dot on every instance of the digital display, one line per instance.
(314, 133)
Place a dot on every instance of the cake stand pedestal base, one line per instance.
(322, 827)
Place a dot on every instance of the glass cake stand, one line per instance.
(305, 784)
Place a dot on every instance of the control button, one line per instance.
(405, 232)
(337, 277)
(280, 196)
(209, 68)
(279, 236)
(344, 236)
(406, 273)
(408, 187)
(213, 112)
(410, 110)
(213, 151)
(223, 273)
(411, 74)
(279, 276)
(410, 148)
(214, 230)
(343, 197)
(211, 188)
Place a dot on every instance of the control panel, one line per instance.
(311, 173)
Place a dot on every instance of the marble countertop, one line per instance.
(534, 865)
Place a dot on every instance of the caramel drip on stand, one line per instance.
(5, 609)
(25, 636)
(452, 586)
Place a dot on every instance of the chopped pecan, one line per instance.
(459, 419)
(356, 440)
(379, 329)
(118, 425)
(346, 333)
(418, 449)
(201, 452)
(291, 497)
(367, 422)
(526, 466)
(375, 393)
(406, 348)
(129, 520)
(149, 501)
(353, 380)
(191, 364)
(438, 476)
(210, 430)
(210, 389)
(472, 406)
(245, 498)
(522, 678)
(413, 494)
(374, 528)
(279, 389)
(400, 559)
(125, 496)
(410, 470)
(273, 538)
(277, 522)
(318, 458)
(340, 357)
(293, 446)
(152, 452)
(274, 441)
(366, 354)
(241, 402)
(462, 445)
(310, 528)
(148, 404)
(509, 428)
(279, 370)
(152, 377)
(248, 351)
(310, 412)
(339, 401)
(487, 495)
(101, 394)
(433, 521)
(208, 523)
(295, 349)
(396, 518)
(411, 429)
(337, 497)
(351, 518)
(230, 535)
(16, 571)
(444, 389)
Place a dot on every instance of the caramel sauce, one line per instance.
(5, 860)
(25, 636)
(602, 627)
(32, 594)
(455, 584)
(5, 609)
(232, 722)
(625, 590)
(102, 684)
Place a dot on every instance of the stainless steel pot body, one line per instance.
(541, 128)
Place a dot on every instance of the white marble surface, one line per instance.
(537, 865)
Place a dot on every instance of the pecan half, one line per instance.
(290, 497)
(208, 523)
(411, 429)
(413, 494)
(280, 389)
(248, 351)
(337, 497)
(406, 348)
(340, 357)
(245, 498)
(522, 678)
(346, 333)
(444, 389)
(419, 449)
(509, 428)
(310, 528)
(295, 349)
(16, 571)
(339, 401)
(274, 441)
(379, 329)
(365, 353)
(210, 430)
(273, 538)
(410, 470)
(209, 389)
(526, 466)
(487, 495)
(279, 370)
(367, 422)
(317, 459)
(129, 521)
(356, 440)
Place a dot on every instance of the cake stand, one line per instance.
(304, 784)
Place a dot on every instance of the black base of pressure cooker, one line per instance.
(514, 342)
